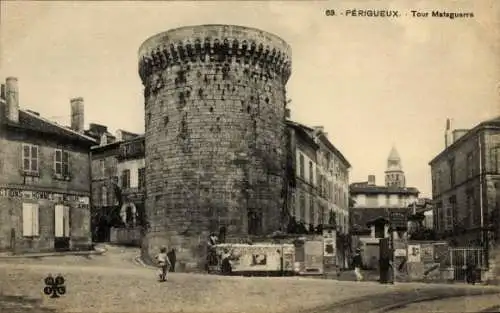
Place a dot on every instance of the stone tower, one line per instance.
(394, 175)
(215, 135)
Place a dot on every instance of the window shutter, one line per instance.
(59, 220)
(26, 157)
(36, 226)
(66, 221)
(27, 220)
(34, 158)
(65, 163)
(56, 161)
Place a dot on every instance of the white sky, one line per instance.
(371, 83)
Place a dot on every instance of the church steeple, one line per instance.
(394, 175)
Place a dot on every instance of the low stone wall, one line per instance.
(492, 276)
(126, 236)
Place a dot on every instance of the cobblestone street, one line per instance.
(114, 283)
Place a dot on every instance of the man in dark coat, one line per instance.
(172, 257)
(470, 273)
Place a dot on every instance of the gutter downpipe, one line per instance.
(91, 202)
(484, 242)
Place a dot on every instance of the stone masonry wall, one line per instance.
(215, 147)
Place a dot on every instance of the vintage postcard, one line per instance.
(250, 156)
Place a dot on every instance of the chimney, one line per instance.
(287, 113)
(104, 140)
(77, 117)
(371, 180)
(119, 135)
(448, 137)
(12, 99)
(98, 128)
(318, 129)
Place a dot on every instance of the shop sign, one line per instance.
(41, 195)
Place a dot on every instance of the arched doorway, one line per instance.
(128, 214)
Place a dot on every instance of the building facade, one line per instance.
(372, 203)
(303, 205)
(466, 185)
(105, 198)
(44, 178)
(332, 179)
(118, 188)
(320, 184)
(321, 176)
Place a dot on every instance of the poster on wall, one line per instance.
(329, 243)
(399, 252)
(314, 255)
(329, 247)
(427, 253)
(259, 259)
(414, 253)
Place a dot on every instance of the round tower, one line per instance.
(214, 135)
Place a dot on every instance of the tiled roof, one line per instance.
(356, 188)
(306, 130)
(97, 136)
(494, 122)
(140, 137)
(361, 217)
(302, 131)
(31, 121)
(329, 144)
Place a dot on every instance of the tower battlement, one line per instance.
(227, 44)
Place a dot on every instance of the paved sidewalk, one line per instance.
(99, 249)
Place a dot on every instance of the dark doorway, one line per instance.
(254, 222)
(61, 243)
(222, 234)
(102, 231)
(62, 227)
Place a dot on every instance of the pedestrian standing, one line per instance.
(172, 258)
(470, 273)
(226, 267)
(357, 263)
(163, 263)
(211, 251)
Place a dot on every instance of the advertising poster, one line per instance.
(414, 253)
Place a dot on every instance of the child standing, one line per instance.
(163, 263)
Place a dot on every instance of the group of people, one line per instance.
(470, 270)
(213, 258)
(166, 260)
